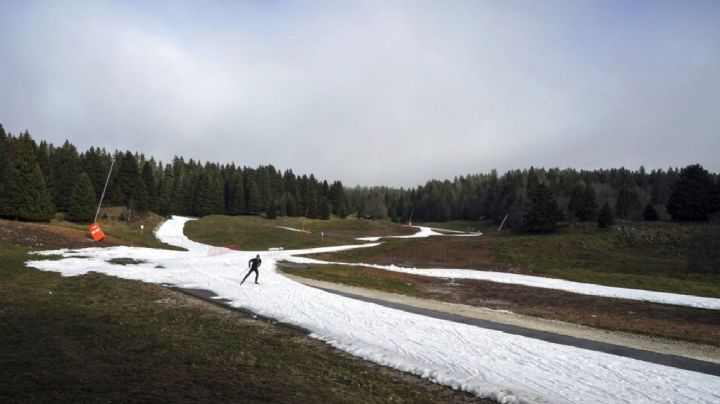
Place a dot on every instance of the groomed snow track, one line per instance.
(489, 363)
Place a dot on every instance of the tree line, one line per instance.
(39, 179)
(536, 199)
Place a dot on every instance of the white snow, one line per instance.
(373, 238)
(422, 233)
(541, 282)
(289, 228)
(489, 363)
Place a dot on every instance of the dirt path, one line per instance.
(646, 343)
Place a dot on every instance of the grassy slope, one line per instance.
(643, 255)
(469, 226)
(255, 232)
(99, 338)
(652, 256)
(126, 232)
(354, 276)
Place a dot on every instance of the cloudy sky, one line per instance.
(371, 92)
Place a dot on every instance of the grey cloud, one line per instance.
(388, 93)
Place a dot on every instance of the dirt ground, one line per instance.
(433, 252)
(377, 229)
(48, 236)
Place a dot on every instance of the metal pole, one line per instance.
(503, 222)
(103, 192)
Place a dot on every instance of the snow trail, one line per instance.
(539, 282)
(508, 368)
(424, 232)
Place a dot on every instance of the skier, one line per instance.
(254, 264)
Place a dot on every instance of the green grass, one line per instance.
(469, 226)
(128, 232)
(354, 276)
(362, 255)
(97, 338)
(654, 258)
(649, 256)
(256, 233)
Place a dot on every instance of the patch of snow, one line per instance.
(289, 228)
(422, 233)
(541, 282)
(368, 238)
(465, 234)
(504, 367)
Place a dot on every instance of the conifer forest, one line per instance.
(37, 180)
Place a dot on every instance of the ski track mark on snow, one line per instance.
(504, 367)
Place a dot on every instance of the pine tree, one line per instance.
(151, 185)
(4, 168)
(201, 202)
(605, 218)
(589, 206)
(216, 191)
(693, 196)
(576, 201)
(82, 201)
(35, 203)
(235, 194)
(26, 195)
(627, 203)
(128, 177)
(96, 163)
(65, 169)
(291, 205)
(254, 201)
(44, 151)
(138, 195)
(543, 214)
(336, 197)
(167, 184)
(324, 210)
(115, 194)
(272, 210)
(650, 214)
(342, 212)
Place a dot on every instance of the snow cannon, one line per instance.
(96, 232)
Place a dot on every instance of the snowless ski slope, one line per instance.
(508, 368)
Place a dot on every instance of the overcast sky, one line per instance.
(371, 92)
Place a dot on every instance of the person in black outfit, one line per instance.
(254, 264)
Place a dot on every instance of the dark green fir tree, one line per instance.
(605, 217)
(694, 197)
(650, 214)
(82, 201)
(34, 201)
(543, 213)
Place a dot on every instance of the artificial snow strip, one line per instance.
(507, 368)
(539, 282)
